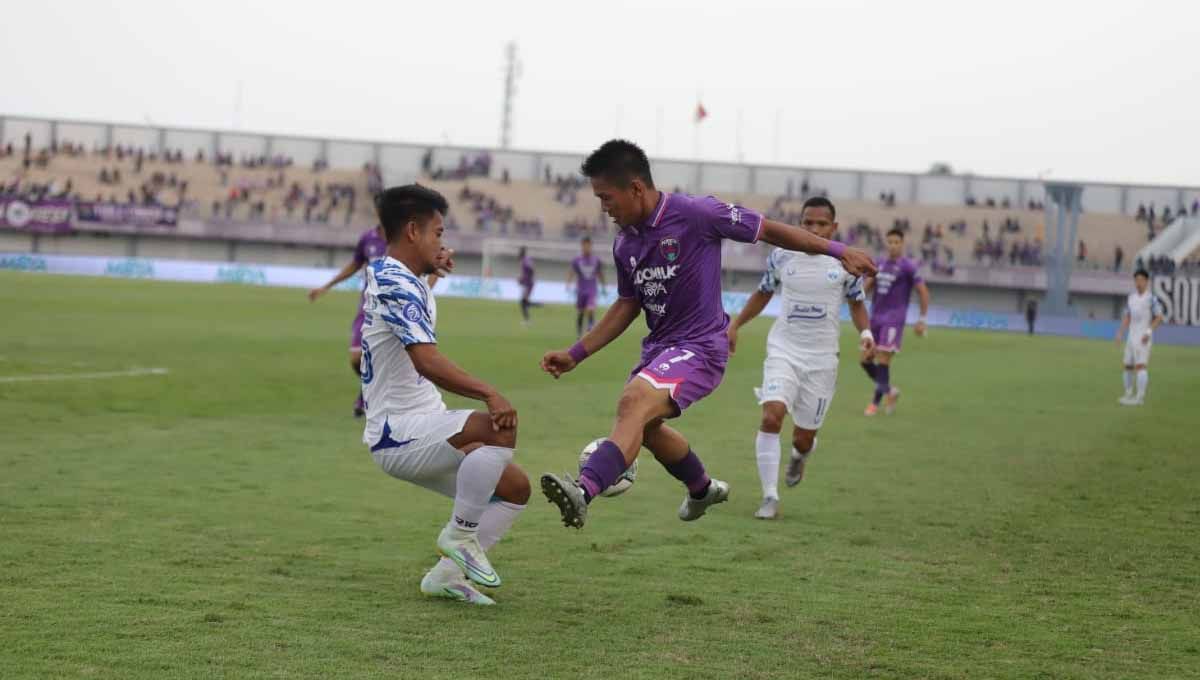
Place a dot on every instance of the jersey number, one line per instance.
(367, 370)
(683, 357)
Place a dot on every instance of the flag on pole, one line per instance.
(701, 112)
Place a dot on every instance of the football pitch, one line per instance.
(222, 520)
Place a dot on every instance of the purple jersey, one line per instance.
(587, 271)
(893, 286)
(526, 278)
(370, 247)
(672, 265)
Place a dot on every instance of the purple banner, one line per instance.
(44, 215)
(127, 214)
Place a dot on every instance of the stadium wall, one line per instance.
(551, 292)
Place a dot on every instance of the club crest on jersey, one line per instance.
(834, 274)
(669, 248)
(412, 311)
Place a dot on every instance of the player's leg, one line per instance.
(767, 455)
(1129, 374)
(883, 380)
(867, 360)
(360, 408)
(672, 450)
(812, 402)
(579, 322)
(1141, 362)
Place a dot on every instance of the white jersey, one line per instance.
(399, 310)
(1141, 308)
(811, 289)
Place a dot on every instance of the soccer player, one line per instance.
(526, 281)
(1143, 314)
(890, 291)
(588, 270)
(668, 263)
(371, 245)
(466, 455)
(800, 372)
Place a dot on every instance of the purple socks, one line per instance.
(602, 469)
(883, 381)
(869, 367)
(691, 472)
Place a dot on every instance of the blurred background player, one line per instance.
(800, 372)
(466, 455)
(1143, 314)
(890, 292)
(668, 262)
(371, 245)
(586, 270)
(526, 280)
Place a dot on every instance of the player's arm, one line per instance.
(600, 278)
(1154, 323)
(923, 300)
(570, 277)
(438, 369)
(862, 323)
(856, 261)
(344, 273)
(755, 304)
(614, 322)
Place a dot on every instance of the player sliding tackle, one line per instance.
(800, 372)
(466, 455)
(668, 262)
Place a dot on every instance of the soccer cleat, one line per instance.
(768, 510)
(694, 508)
(452, 587)
(566, 493)
(870, 410)
(795, 469)
(360, 407)
(892, 397)
(464, 550)
(1128, 400)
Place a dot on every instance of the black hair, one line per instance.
(585, 239)
(398, 206)
(820, 202)
(1141, 272)
(618, 161)
(897, 231)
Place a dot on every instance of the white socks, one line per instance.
(476, 483)
(1143, 379)
(1128, 375)
(766, 447)
(497, 519)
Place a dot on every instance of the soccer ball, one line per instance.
(623, 483)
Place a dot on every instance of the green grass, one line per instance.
(223, 520)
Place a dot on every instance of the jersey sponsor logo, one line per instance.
(806, 312)
(412, 312)
(669, 248)
(735, 215)
(653, 289)
(657, 309)
(658, 273)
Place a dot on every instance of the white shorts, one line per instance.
(804, 387)
(1136, 353)
(414, 448)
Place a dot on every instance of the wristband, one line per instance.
(578, 352)
(923, 320)
(835, 249)
(866, 334)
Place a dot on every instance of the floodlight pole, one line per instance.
(511, 72)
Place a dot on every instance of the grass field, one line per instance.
(223, 520)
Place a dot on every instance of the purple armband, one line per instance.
(835, 249)
(578, 352)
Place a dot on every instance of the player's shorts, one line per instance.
(414, 448)
(356, 332)
(585, 301)
(804, 386)
(1137, 354)
(689, 372)
(526, 290)
(887, 336)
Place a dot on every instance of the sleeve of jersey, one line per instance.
(404, 309)
(770, 278)
(727, 220)
(854, 289)
(360, 255)
(625, 287)
(914, 270)
(1156, 307)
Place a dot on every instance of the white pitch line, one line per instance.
(47, 377)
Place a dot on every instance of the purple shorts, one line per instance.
(526, 289)
(887, 336)
(585, 300)
(689, 372)
(356, 333)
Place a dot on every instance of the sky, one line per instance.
(1100, 90)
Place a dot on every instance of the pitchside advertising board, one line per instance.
(1180, 298)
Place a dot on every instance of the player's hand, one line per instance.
(503, 414)
(858, 262)
(444, 264)
(731, 333)
(316, 293)
(920, 328)
(557, 363)
(867, 345)
(1146, 339)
